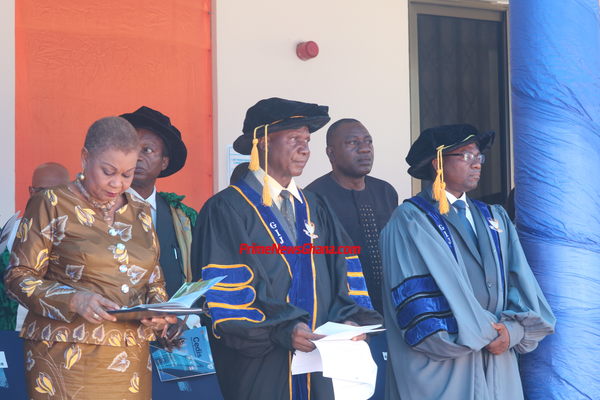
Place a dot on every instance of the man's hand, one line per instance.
(502, 342)
(302, 336)
(169, 338)
(362, 336)
(92, 307)
(160, 323)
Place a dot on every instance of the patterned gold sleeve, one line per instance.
(156, 287)
(40, 228)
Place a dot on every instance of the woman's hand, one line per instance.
(92, 307)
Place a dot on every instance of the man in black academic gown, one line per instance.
(162, 154)
(362, 203)
(269, 304)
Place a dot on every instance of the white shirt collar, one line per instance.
(151, 200)
(452, 198)
(275, 188)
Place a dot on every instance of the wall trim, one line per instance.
(7, 109)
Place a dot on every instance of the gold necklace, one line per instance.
(103, 207)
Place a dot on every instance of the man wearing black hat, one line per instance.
(459, 296)
(269, 304)
(162, 154)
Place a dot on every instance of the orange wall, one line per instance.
(77, 61)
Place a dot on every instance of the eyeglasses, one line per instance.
(469, 157)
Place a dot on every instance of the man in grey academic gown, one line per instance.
(460, 300)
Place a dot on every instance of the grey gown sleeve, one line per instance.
(527, 314)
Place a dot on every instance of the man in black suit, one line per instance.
(162, 154)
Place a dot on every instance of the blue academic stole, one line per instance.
(487, 215)
(438, 221)
(302, 292)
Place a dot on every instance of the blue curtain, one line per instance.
(555, 72)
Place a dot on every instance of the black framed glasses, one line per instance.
(469, 157)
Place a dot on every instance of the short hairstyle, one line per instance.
(239, 172)
(333, 128)
(111, 133)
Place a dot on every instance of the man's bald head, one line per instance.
(334, 128)
(48, 175)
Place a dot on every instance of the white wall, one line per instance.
(362, 72)
(7, 109)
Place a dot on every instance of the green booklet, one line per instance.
(180, 304)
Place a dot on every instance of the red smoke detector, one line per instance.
(307, 50)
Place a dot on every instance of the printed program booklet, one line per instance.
(193, 358)
(180, 304)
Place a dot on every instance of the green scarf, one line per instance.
(175, 201)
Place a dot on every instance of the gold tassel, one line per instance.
(254, 164)
(266, 194)
(439, 186)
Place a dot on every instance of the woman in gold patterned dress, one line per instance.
(82, 249)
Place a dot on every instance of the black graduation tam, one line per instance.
(450, 137)
(147, 118)
(276, 114)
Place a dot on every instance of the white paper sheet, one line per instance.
(347, 359)
(337, 331)
(351, 367)
(304, 363)
(349, 390)
(349, 363)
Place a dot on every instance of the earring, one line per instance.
(80, 177)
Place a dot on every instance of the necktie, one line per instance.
(287, 210)
(461, 207)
